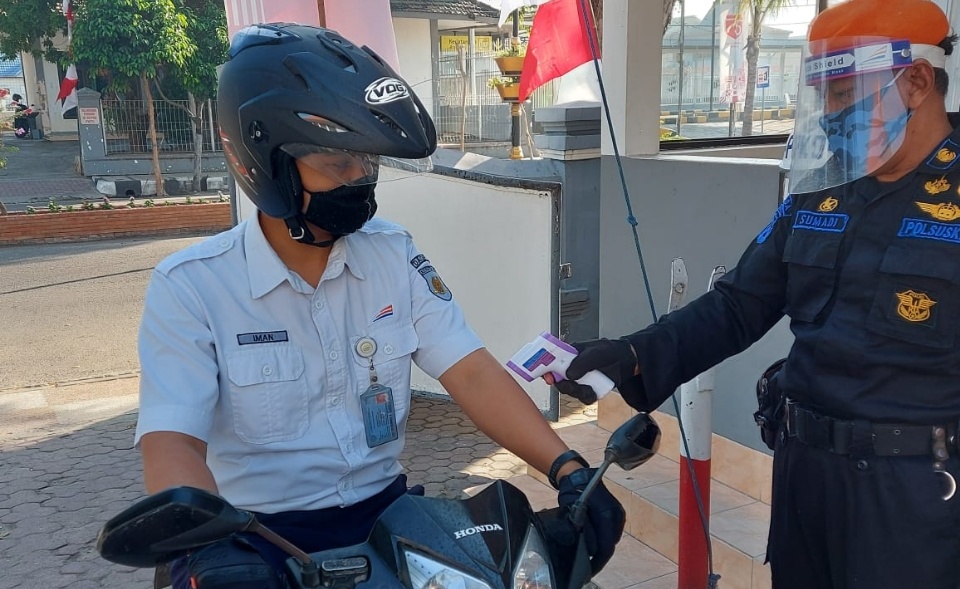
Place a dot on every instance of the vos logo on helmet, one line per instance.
(386, 90)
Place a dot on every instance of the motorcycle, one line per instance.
(493, 540)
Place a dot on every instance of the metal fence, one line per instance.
(126, 126)
(486, 116)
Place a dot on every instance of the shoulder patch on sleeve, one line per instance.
(208, 248)
(435, 284)
(784, 210)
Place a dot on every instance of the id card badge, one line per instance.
(379, 416)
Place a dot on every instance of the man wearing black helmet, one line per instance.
(276, 356)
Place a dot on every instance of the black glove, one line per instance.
(613, 357)
(605, 516)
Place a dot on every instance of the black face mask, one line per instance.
(344, 209)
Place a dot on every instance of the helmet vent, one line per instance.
(391, 124)
(325, 124)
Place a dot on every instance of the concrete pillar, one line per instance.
(571, 135)
(632, 37)
(90, 123)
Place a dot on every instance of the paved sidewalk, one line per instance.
(41, 170)
(67, 465)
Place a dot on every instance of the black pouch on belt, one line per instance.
(771, 404)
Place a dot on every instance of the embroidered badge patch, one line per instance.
(914, 306)
(922, 229)
(935, 187)
(945, 211)
(830, 222)
(434, 283)
(264, 337)
(782, 211)
(418, 261)
(828, 205)
(945, 156)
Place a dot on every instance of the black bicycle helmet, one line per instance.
(286, 84)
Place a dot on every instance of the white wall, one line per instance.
(44, 94)
(413, 48)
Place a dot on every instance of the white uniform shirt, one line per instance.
(240, 352)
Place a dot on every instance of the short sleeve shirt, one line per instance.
(240, 352)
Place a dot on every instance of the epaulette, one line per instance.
(383, 226)
(209, 248)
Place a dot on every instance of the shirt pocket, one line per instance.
(268, 393)
(396, 342)
(811, 273)
(916, 298)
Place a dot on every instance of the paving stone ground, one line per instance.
(67, 466)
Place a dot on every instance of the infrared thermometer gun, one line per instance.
(548, 354)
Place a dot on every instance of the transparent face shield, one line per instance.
(351, 168)
(851, 116)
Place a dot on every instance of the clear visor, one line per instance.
(851, 116)
(351, 168)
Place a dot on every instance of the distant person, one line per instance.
(21, 122)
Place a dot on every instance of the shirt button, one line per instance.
(335, 401)
(224, 243)
(318, 304)
(388, 349)
(267, 370)
(334, 355)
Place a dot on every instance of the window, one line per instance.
(706, 67)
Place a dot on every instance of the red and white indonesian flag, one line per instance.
(67, 97)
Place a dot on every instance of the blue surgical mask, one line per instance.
(848, 132)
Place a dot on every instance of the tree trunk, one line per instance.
(667, 13)
(196, 115)
(597, 6)
(750, 93)
(152, 115)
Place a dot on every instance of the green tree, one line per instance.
(30, 26)
(757, 11)
(207, 31)
(134, 39)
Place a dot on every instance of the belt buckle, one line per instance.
(790, 416)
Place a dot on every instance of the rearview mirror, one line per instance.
(167, 525)
(634, 442)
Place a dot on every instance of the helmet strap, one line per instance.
(289, 183)
(300, 232)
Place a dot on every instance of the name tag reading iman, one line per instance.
(379, 415)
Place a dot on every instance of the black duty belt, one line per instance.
(860, 437)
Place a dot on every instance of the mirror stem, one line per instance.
(578, 512)
(280, 542)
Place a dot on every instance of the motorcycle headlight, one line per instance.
(533, 571)
(426, 573)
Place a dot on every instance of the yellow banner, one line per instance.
(483, 44)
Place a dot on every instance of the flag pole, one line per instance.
(516, 152)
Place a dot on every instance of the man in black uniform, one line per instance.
(863, 258)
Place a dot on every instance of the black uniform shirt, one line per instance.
(869, 274)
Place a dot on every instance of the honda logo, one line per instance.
(477, 530)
